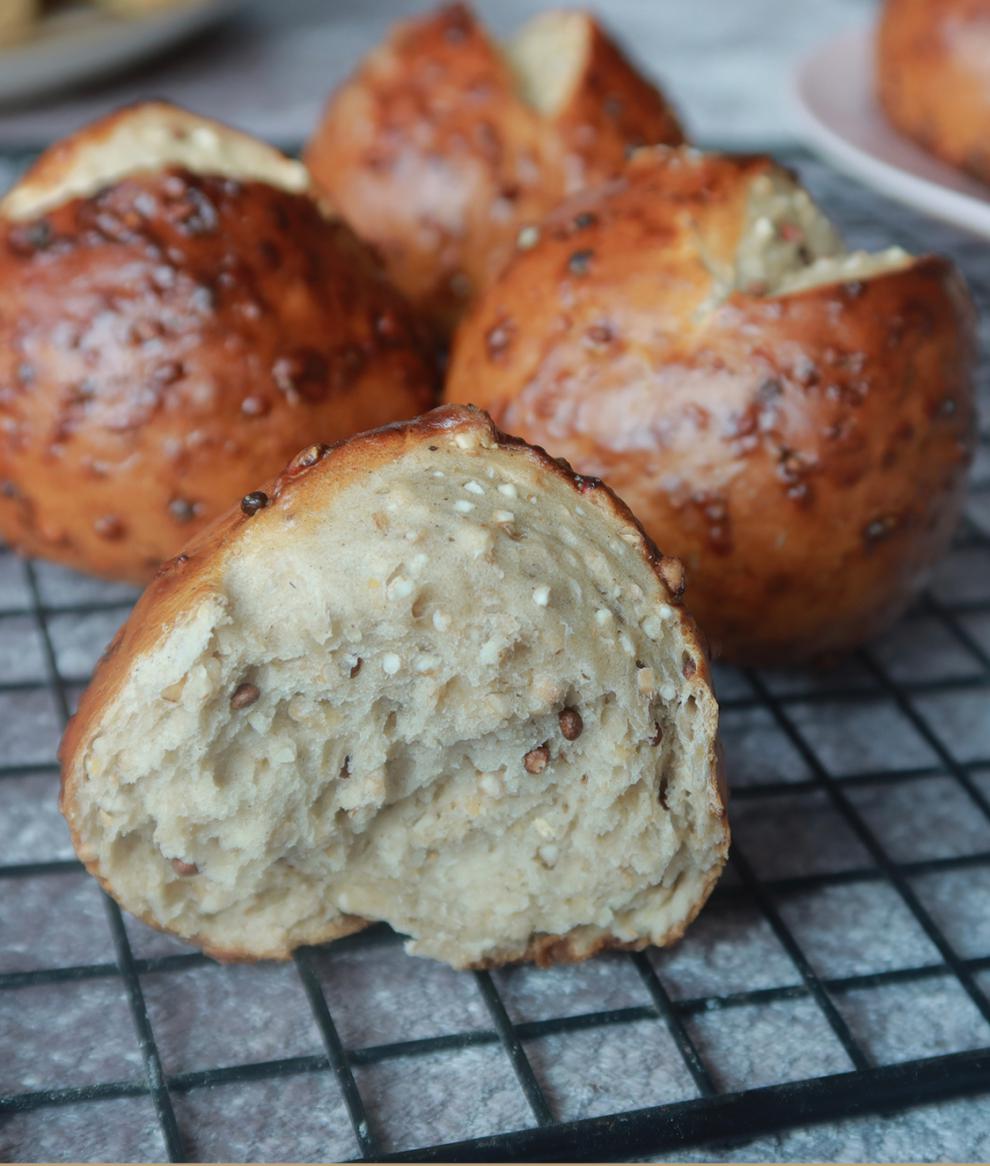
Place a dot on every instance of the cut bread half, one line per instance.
(151, 135)
(432, 678)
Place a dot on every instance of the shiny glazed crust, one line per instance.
(433, 156)
(933, 77)
(168, 340)
(309, 483)
(804, 455)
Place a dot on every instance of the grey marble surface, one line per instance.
(728, 64)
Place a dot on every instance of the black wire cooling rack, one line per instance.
(843, 966)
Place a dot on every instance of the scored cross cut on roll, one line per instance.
(179, 312)
(791, 419)
(443, 145)
(429, 677)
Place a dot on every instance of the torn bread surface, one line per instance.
(153, 136)
(786, 244)
(444, 689)
(547, 59)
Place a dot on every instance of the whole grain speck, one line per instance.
(536, 760)
(571, 724)
(244, 696)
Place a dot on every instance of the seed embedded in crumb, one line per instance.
(509, 490)
(491, 785)
(504, 516)
(244, 695)
(441, 621)
(391, 663)
(536, 760)
(400, 587)
(571, 724)
(184, 868)
(541, 596)
(474, 487)
(462, 506)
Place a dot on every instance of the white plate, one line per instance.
(843, 120)
(82, 43)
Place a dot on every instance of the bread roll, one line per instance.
(178, 315)
(933, 77)
(791, 420)
(429, 677)
(442, 146)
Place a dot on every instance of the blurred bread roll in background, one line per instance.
(179, 314)
(443, 145)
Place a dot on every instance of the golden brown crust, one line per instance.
(436, 160)
(803, 455)
(310, 480)
(168, 341)
(933, 77)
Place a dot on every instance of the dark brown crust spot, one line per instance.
(580, 261)
(878, 529)
(110, 527)
(253, 502)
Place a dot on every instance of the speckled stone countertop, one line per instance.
(821, 904)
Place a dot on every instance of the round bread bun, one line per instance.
(443, 146)
(933, 77)
(430, 677)
(178, 315)
(793, 421)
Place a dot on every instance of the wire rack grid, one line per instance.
(842, 967)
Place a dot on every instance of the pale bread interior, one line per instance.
(789, 245)
(149, 136)
(547, 58)
(412, 644)
(784, 244)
